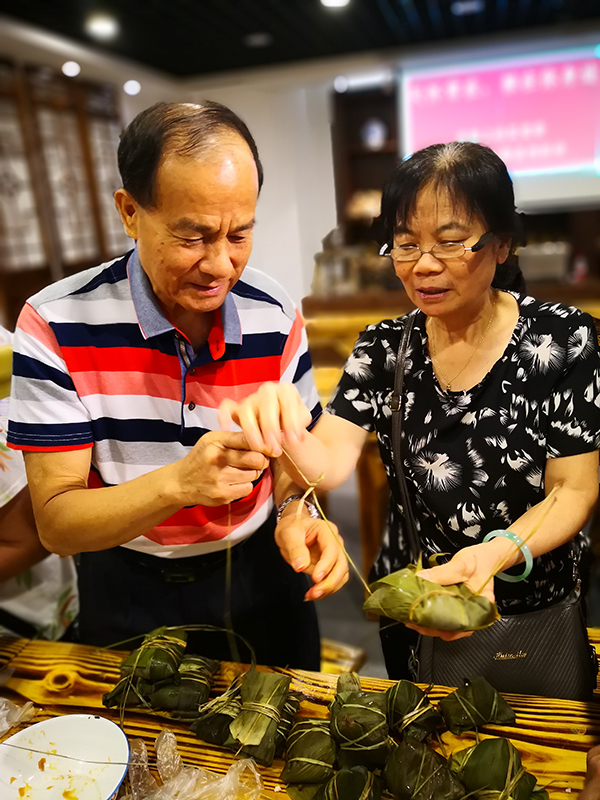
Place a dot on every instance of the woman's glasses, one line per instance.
(441, 251)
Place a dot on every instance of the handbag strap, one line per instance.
(414, 544)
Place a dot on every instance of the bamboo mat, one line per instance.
(552, 735)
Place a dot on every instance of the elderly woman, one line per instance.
(501, 401)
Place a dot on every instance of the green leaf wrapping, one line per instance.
(354, 783)
(215, 717)
(158, 657)
(359, 725)
(492, 770)
(191, 686)
(416, 772)
(410, 713)
(474, 704)
(405, 597)
(310, 753)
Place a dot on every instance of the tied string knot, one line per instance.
(357, 743)
(262, 708)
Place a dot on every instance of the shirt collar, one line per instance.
(226, 328)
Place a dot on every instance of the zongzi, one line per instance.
(263, 695)
(158, 657)
(286, 723)
(191, 688)
(474, 704)
(493, 769)
(416, 772)
(354, 783)
(212, 724)
(410, 713)
(310, 753)
(359, 725)
(406, 597)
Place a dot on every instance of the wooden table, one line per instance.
(552, 735)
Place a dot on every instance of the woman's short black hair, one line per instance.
(184, 129)
(475, 178)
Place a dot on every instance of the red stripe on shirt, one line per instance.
(36, 327)
(292, 344)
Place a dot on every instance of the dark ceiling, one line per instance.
(193, 37)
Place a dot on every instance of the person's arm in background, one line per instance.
(20, 546)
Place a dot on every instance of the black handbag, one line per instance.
(545, 652)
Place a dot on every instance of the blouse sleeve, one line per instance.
(354, 397)
(574, 403)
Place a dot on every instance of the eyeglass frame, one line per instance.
(479, 245)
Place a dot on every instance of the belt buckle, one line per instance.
(179, 577)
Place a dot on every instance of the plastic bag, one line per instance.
(241, 782)
(12, 715)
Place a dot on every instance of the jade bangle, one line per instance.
(523, 548)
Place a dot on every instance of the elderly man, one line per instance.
(118, 375)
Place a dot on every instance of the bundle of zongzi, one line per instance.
(129, 692)
(492, 770)
(359, 724)
(191, 686)
(416, 772)
(212, 725)
(158, 657)
(409, 711)
(310, 754)
(263, 695)
(354, 783)
(474, 704)
(406, 597)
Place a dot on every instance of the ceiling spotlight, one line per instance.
(334, 3)
(71, 69)
(259, 39)
(461, 8)
(340, 84)
(102, 27)
(132, 87)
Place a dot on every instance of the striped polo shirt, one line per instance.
(98, 365)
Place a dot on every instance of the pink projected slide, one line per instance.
(540, 114)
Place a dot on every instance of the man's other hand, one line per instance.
(220, 468)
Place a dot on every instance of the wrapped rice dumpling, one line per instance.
(263, 695)
(192, 687)
(359, 725)
(286, 723)
(355, 783)
(310, 753)
(406, 597)
(416, 772)
(410, 713)
(216, 716)
(158, 657)
(128, 693)
(474, 704)
(492, 770)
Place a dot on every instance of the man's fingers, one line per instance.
(246, 460)
(249, 424)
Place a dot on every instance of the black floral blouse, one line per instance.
(474, 460)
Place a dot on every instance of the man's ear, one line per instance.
(129, 211)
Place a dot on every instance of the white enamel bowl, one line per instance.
(47, 774)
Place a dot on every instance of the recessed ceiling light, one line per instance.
(132, 87)
(258, 39)
(461, 8)
(71, 69)
(102, 26)
(334, 3)
(340, 84)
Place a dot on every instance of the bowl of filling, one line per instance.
(71, 757)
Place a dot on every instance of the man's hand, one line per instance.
(475, 566)
(272, 416)
(220, 468)
(309, 546)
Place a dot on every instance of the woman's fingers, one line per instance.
(447, 636)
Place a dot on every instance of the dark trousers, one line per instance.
(124, 593)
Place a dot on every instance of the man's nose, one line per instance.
(217, 259)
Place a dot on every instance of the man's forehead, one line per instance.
(204, 226)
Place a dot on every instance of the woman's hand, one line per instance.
(314, 547)
(591, 790)
(475, 566)
(273, 415)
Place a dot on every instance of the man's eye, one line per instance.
(238, 239)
